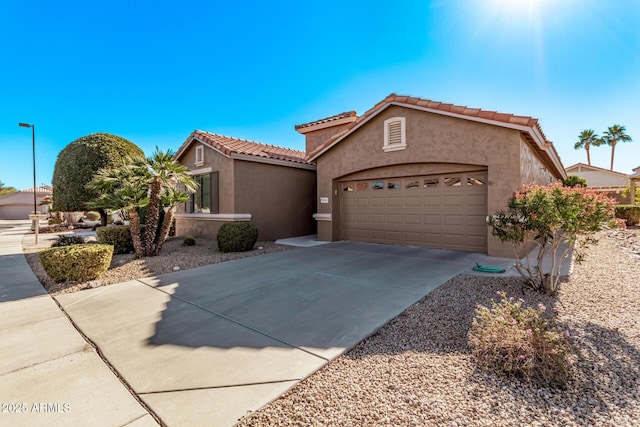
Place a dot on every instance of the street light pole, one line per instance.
(33, 150)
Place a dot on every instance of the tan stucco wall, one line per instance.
(532, 170)
(217, 162)
(316, 138)
(431, 139)
(600, 178)
(198, 227)
(281, 200)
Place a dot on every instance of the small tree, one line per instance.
(574, 181)
(79, 161)
(140, 182)
(548, 216)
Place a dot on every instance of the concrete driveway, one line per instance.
(209, 345)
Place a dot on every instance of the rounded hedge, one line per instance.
(237, 236)
(76, 263)
(77, 163)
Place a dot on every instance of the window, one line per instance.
(431, 182)
(199, 155)
(413, 184)
(348, 187)
(377, 185)
(475, 181)
(395, 134)
(393, 185)
(453, 181)
(362, 186)
(205, 199)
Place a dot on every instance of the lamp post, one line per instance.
(33, 149)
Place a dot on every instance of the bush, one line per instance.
(93, 216)
(520, 342)
(118, 235)
(630, 213)
(189, 241)
(67, 240)
(76, 263)
(237, 236)
(54, 221)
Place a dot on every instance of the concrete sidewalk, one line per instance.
(49, 375)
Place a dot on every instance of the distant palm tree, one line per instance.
(588, 139)
(611, 137)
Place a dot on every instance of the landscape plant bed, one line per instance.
(125, 267)
(418, 370)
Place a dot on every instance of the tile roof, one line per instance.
(433, 105)
(229, 145)
(39, 189)
(596, 168)
(344, 115)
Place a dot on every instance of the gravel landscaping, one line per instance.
(417, 369)
(125, 267)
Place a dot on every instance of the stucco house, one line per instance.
(19, 205)
(240, 180)
(416, 172)
(408, 171)
(603, 180)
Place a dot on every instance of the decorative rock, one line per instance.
(93, 284)
(176, 268)
(90, 239)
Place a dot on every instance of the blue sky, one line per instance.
(153, 71)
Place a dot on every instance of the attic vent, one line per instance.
(395, 135)
(199, 155)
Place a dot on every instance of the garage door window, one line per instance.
(471, 180)
(453, 181)
(413, 184)
(377, 185)
(431, 182)
(362, 186)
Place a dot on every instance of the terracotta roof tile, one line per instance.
(229, 145)
(344, 115)
(434, 105)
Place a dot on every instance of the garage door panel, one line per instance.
(453, 219)
(377, 219)
(431, 200)
(421, 211)
(394, 201)
(412, 219)
(377, 201)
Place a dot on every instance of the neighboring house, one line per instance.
(415, 172)
(604, 180)
(240, 180)
(634, 179)
(19, 205)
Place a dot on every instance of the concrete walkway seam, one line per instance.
(110, 366)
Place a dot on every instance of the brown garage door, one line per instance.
(441, 211)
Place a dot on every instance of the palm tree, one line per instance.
(140, 182)
(164, 174)
(611, 137)
(588, 138)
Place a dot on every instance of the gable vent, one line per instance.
(395, 134)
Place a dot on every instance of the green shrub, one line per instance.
(93, 216)
(76, 263)
(118, 235)
(54, 221)
(67, 240)
(189, 241)
(630, 213)
(520, 342)
(237, 236)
